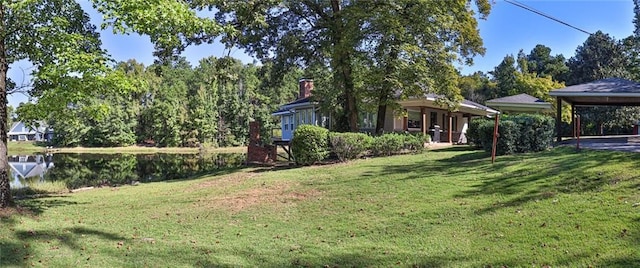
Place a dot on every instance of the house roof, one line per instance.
(519, 103)
(520, 98)
(610, 91)
(466, 106)
(286, 108)
(20, 128)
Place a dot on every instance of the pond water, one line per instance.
(82, 170)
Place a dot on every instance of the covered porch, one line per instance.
(425, 115)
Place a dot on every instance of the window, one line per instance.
(367, 120)
(285, 122)
(291, 122)
(454, 124)
(433, 119)
(414, 119)
(445, 122)
(309, 115)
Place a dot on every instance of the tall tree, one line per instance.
(476, 87)
(542, 63)
(330, 33)
(631, 45)
(57, 38)
(300, 33)
(235, 86)
(413, 45)
(505, 76)
(203, 99)
(599, 57)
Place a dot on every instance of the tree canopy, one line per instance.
(403, 45)
(57, 38)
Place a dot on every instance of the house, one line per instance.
(301, 111)
(20, 131)
(419, 114)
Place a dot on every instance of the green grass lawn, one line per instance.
(24, 147)
(447, 208)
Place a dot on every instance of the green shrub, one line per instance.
(309, 144)
(508, 135)
(509, 132)
(388, 144)
(536, 132)
(517, 134)
(485, 135)
(415, 142)
(473, 133)
(348, 146)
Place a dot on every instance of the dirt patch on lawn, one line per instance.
(274, 195)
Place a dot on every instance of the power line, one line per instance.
(518, 4)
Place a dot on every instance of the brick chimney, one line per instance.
(306, 86)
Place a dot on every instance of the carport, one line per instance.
(605, 92)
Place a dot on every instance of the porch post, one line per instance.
(405, 121)
(573, 123)
(558, 118)
(423, 127)
(450, 129)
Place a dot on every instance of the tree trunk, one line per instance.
(342, 65)
(5, 192)
(382, 113)
(386, 89)
(349, 88)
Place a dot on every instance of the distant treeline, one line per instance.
(178, 105)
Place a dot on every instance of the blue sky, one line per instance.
(507, 30)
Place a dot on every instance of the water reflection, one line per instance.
(29, 169)
(81, 170)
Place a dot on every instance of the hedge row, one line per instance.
(311, 144)
(517, 134)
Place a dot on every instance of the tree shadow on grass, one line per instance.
(22, 254)
(469, 162)
(19, 254)
(203, 174)
(68, 237)
(36, 206)
(543, 175)
(520, 178)
(275, 167)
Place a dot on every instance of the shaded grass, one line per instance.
(40, 189)
(443, 208)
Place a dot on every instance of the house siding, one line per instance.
(20, 132)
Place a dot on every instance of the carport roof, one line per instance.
(610, 91)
